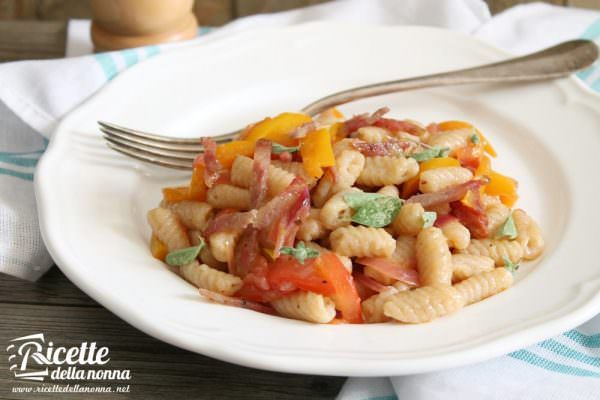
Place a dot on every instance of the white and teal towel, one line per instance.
(34, 95)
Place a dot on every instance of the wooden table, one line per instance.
(67, 316)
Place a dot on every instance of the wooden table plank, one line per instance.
(158, 370)
(23, 40)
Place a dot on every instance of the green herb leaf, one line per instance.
(429, 218)
(508, 229)
(373, 209)
(428, 154)
(509, 265)
(300, 252)
(279, 148)
(475, 138)
(185, 256)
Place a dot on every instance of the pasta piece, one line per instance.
(322, 191)
(306, 306)
(336, 212)
(207, 258)
(312, 228)
(457, 234)
(296, 168)
(466, 265)
(488, 200)
(205, 277)
(346, 261)
(343, 145)
(168, 229)
(409, 220)
(386, 170)
(228, 196)
(277, 180)
(372, 308)
(423, 304)
(529, 235)
(437, 179)
(485, 284)
(372, 134)
(405, 251)
(389, 190)
(434, 261)
(497, 250)
(192, 214)
(496, 216)
(348, 166)
(361, 241)
(451, 139)
(222, 245)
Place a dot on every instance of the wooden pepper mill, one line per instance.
(120, 24)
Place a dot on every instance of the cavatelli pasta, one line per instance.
(485, 284)
(336, 212)
(389, 190)
(496, 215)
(192, 214)
(360, 241)
(423, 304)
(387, 170)
(437, 179)
(529, 235)
(372, 308)
(451, 139)
(312, 228)
(205, 277)
(372, 134)
(168, 229)
(409, 220)
(497, 250)
(297, 169)
(207, 258)
(306, 306)
(222, 245)
(348, 165)
(434, 260)
(466, 265)
(457, 234)
(228, 196)
(242, 174)
(405, 251)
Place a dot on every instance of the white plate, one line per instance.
(92, 202)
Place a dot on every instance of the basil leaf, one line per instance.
(279, 148)
(475, 139)
(428, 154)
(300, 252)
(429, 218)
(509, 265)
(185, 256)
(359, 199)
(379, 212)
(508, 229)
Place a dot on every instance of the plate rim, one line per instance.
(480, 352)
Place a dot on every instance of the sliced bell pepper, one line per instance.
(278, 128)
(175, 194)
(411, 186)
(197, 188)
(227, 152)
(317, 152)
(455, 125)
(502, 186)
(158, 249)
(484, 167)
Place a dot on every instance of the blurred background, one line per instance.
(208, 12)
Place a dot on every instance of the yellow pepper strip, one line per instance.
(158, 249)
(317, 152)
(175, 194)
(455, 125)
(337, 133)
(278, 129)
(484, 167)
(411, 186)
(197, 188)
(502, 186)
(227, 152)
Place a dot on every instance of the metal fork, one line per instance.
(554, 62)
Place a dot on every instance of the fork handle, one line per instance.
(554, 62)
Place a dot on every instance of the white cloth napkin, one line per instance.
(35, 95)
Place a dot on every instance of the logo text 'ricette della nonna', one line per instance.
(31, 358)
